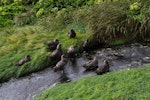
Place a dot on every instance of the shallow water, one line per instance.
(120, 58)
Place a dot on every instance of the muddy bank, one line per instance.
(120, 58)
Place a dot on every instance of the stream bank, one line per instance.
(123, 57)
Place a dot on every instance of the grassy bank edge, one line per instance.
(122, 85)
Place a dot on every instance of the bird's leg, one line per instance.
(63, 72)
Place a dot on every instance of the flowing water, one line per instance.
(120, 58)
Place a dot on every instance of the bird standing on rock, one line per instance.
(56, 54)
(52, 44)
(103, 69)
(71, 33)
(91, 64)
(60, 65)
(24, 60)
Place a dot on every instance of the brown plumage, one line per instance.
(71, 51)
(91, 64)
(104, 68)
(24, 60)
(71, 33)
(60, 65)
(52, 44)
(56, 54)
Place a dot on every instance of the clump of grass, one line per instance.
(127, 84)
(112, 21)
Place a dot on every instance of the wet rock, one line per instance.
(135, 64)
(65, 79)
(146, 59)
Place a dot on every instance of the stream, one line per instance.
(122, 57)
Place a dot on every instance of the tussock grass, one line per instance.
(123, 85)
(111, 21)
(16, 42)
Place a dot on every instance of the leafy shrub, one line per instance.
(8, 12)
(39, 12)
(13, 10)
(5, 21)
(134, 11)
(55, 5)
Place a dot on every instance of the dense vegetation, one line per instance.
(123, 85)
(25, 25)
(20, 37)
(22, 12)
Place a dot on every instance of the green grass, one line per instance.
(117, 42)
(123, 85)
(16, 42)
(108, 23)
